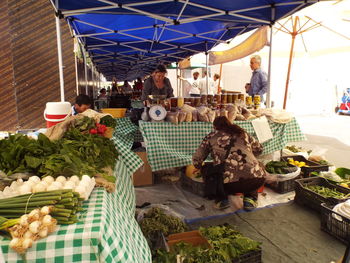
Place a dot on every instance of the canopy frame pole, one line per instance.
(268, 95)
(76, 74)
(294, 34)
(59, 51)
(177, 79)
(219, 89)
(85, 73)
(206, 68)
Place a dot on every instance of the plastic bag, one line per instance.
(281, 177)
(166, 209)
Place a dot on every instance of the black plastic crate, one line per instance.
(333, 226)
(313, 166)
(304, 196)
(250, 257)
(192, 186)
(283, 187)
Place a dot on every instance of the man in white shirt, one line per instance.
(217, 88)
(191, 88)
(203, 85)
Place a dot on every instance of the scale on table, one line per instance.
(157, 112)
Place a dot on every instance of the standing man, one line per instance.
(203, 85)
(258, 81)
(192, 86)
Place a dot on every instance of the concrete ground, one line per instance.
(327, 135)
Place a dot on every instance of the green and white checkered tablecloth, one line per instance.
(107, 232)
(170, 145)
(127, 132)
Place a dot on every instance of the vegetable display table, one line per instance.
(126, 132)
(170, 145)
(107, 231)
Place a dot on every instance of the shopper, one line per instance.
(82, 103)
(258, 81)
(138, 84)
(242, 171)
(126, 88)
(103, 94)
(157, 84)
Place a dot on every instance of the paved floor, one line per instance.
(327, 135)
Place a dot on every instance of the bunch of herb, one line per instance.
(84, 124)
(109, 121)
(226, 243)
(155, 221)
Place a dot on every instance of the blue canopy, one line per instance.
(128, 38)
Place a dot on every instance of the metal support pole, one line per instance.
(60, 59)
(85, 71)
(268, 95)
(76, 74)
(177, 80)
(206, 68)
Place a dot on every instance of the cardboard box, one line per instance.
(143, 176)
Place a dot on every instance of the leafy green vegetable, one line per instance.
(343, 172)
(275, 167)
(109, 121)
(226, 243)
(155, 221)
(74, 154)
(84, 124)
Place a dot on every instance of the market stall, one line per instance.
(171, 145)
(106, 229)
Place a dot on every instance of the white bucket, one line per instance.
(56, 112)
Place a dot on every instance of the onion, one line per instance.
(74, 179)
(34, 227)
(45, 210)
(14, 185)
(30, 183)
(80, 190)
(34, 179)
(47, 220)
(86, 178)
(61, 179)
(58, 184)
(25, 189)
(48, 179)
(40, 187)
(15, 242)
(24, 220)
(52, 187)
(27, 243)
(28, 234)
(34, 215)
(43, 232)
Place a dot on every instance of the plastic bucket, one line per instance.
(115, 112)
(56, 112)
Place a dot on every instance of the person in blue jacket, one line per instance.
(258, 81)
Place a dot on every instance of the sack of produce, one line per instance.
(195, 115)
(211, 115)
(182, 116)
(172, 117)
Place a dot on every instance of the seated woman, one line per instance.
(242, 171)
(157, 84)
